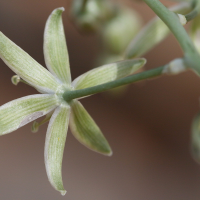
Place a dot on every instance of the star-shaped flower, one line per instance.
(53, 84)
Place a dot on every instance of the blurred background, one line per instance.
(148, 127)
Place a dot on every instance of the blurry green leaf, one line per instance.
(86, 131)
(91, 14)
(107, 73)
(152, 34)
(54, 146)
(26, 67)
(120, 30)
(55, 49)
(19, 112)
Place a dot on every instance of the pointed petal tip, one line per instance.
(110, 153)
(63, 192)
(140, 61)
(105, 152)
(62, 9)
(58, 11)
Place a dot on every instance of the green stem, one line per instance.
(69, 95)
(194, 12)
(83, 5)
(192, 57)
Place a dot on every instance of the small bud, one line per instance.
(35, 127)
(89, 16)
(15, 79)
(182, 19)
(121, 29)
(175, 67)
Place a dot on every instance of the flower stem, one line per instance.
(84, 5)
(70, 95)
(192, 57)
(194, 12)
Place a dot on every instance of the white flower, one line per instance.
(53, 84)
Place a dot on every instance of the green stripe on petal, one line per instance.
(195, 138)
(54, 146)
(19, 112)
(26, 67)
(152, 34)
(55, 48)
(86, 131)
(107, 73)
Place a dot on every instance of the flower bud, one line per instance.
(119, 31)
(182, 19)
(90, 15)
(175, 67)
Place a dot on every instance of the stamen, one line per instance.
(36, 125)
(15, 79)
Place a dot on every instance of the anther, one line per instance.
(15, 79)
(36, 125)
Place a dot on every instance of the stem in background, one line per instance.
(83, 5)
(70, 95)
(194, 12)
(192, 57)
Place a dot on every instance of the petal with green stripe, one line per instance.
(107, 73)
(55, 48)
(86, 131)
(54, 146)
(26, 67)
(19, 112)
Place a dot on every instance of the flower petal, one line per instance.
(152, 34)
(54, 146)
(86, 131)
(19, 112)
(195, 138)
(108, 73)
(55, 49)
(26, 67)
